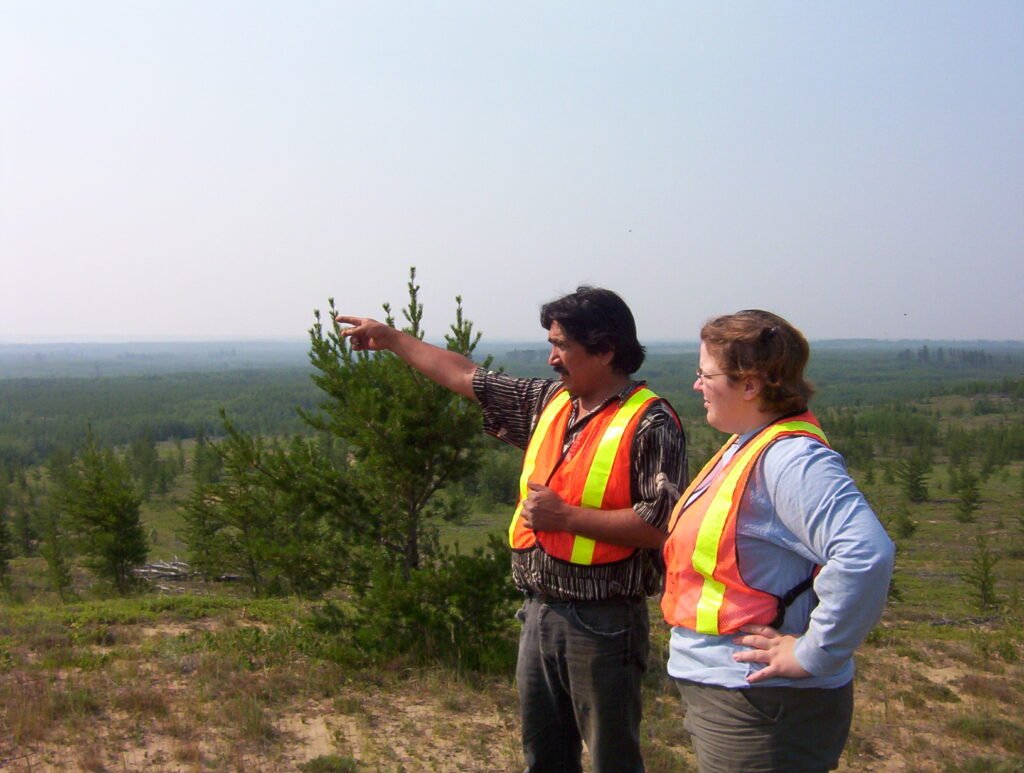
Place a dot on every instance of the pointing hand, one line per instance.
(366, 334)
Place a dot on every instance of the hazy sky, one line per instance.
(219, 169)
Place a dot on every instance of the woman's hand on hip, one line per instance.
(772, 648)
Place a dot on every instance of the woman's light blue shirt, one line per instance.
(801, 509)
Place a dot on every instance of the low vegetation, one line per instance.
(317, 630)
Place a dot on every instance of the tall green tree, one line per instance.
(980, 575)
(98, 500)
(56, 551)
(23, 506)
(5, 537)
(494, 483)
(277, 515)
(902, 523)
(409, 438)
(912, 472)
(968, 494)
(144, 463)
(207, 463)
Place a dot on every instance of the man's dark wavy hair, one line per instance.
(600, 321)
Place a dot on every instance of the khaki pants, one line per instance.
(767, 729)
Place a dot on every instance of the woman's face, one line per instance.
(732, 406)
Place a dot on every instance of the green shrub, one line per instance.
(331, 763)
(457, 610)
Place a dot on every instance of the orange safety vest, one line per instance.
(593, 472)
(704, 590)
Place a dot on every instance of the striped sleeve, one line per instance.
(659, 472)
(511, 405)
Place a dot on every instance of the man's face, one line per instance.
(582, 372)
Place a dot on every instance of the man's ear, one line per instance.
(607, 357)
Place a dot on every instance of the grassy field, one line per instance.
(205, 679)
(201, 677)
(213, 682)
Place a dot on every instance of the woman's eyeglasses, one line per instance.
(701, 375)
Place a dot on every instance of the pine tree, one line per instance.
(902, 522)
(888, 472)
(144, 463)
(22, 506)
(981, 574)
(56, 551)
(968, 495)
(869, 471)
(276, 515)
(912, 472)
(5, 538)
(98, 501)
(410, 438)
(206, 461)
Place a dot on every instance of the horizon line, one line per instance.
(45, 340)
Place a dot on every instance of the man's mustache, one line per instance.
(559, 370)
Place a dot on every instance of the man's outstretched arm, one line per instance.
(449, 369)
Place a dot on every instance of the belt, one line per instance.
(620, 601)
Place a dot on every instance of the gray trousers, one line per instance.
(579, 673)
(767, 729)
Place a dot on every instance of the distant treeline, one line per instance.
(954, 358)
(39, 416)
(857, 377)
(104, 360)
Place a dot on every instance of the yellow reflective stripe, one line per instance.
(601, 469)
(512, 525)
(697, 480)
(547, 418)
(582, 550)
(709, 535)
(803, 426)
(711, 595)
(705, 551)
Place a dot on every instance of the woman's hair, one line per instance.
(600, 321)
(759, 343)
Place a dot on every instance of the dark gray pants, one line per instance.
(579, 673)
(767, 729)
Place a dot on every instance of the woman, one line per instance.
(776, 566)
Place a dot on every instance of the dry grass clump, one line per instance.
(988, 688)
(988, 730)
(140, 701)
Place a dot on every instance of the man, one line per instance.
(605, 459)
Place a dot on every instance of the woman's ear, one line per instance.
(751, 388)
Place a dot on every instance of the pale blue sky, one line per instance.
(218, 169)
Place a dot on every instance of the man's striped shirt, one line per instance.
(511, 408)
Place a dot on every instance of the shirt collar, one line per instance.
(576, 421)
